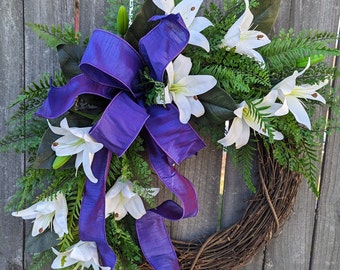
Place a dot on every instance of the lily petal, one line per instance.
(135, 207)
(199, 24)
(244, 136)
(87, 162)
(254, 39)
(234, 132)
(196, 106)
(197, 84)
(298, 111)
(184, 108)
(182, 65)
(41, 223)
(198, 39)
(165, 5)
(188, 10)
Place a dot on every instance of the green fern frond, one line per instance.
(121, 239)
(236, 78)
(56, 34)
(74, 198)
(25, 128)
(288, 49)
(243, 158)
(42, 260)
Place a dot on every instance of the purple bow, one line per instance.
(111, 70)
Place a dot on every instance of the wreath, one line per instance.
(129, 104)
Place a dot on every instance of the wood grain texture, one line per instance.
(11, 164)
(204, 172)
(296, 239)
(24, 58)
(91, 15)
(326, 246)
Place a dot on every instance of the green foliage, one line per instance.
(41, 260)
(112, 12)
(126, 249)
(153, 89)
(74, 197)
(287, 49)
(56, 34)
(243, 159)
(135, 168)
(27, 129)
(300, 150)
(238, 75)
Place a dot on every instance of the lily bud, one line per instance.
(122, 21)
(302, 62)
(60, 161)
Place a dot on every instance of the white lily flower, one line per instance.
(45, 213)
(84, 254)
(290, 93)
(243, 39)
(76, 141)
(188, 10)
(240, 128)
(121, 199)
(183, 88)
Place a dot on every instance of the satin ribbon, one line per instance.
(92, 211)
(111, 68)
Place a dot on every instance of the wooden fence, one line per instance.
(310, 239)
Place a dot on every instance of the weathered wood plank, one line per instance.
(326, 249)
(11, 164)
(91, 16)
(204, 172)
(326, 245)
(35, 60)
(291, 250)
(38, 57)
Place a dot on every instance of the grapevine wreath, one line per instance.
(129, 104)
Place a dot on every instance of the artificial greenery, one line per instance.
(25, 128)
(56, 34)
(239, 79)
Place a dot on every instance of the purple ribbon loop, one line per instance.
(61, 99)
(120, 124)
(110, 60)
(164, 43)
(92, 211)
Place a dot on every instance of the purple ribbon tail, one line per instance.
(163, 43)
(155, 242)
(152, 233)
(92, 211)
(179, 141)
(151, 230)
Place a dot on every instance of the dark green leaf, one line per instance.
(41, 242)
(69, 59)
(141, 24)
(265, 15)
(219, 106)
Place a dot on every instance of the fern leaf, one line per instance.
(55, 35)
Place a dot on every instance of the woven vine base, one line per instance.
(265, 214)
